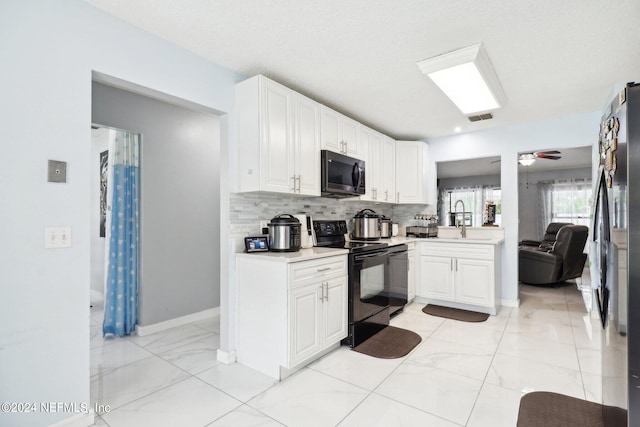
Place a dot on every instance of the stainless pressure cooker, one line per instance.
(366, 225)
(284, 233)
(386, 227)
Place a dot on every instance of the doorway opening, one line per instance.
(179, 231)
(554, 189)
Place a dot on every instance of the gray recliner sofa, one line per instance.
(549, 237)
(564, 261)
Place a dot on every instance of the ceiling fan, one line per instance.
(527, 159)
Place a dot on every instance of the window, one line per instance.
(475, 200)
(571, 202)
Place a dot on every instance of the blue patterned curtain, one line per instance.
(121, 301)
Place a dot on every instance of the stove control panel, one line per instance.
(330, 228)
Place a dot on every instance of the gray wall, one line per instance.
(469, 181)
(180, 201)
(528, 197)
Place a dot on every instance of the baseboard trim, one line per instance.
(515, 303)
(227, 357)
(178, 321)
(80, 420)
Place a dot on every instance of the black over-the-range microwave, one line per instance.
(342, 176)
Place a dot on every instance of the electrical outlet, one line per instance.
(57, 237)
(263, 226)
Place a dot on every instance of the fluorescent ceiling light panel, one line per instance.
(467, 78)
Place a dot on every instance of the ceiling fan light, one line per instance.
(467, 78)
(526, 159)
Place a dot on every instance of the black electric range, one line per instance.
(378, 279)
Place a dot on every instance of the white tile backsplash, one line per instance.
(247, 209)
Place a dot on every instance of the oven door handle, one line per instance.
(359, 257)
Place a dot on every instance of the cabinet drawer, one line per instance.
(458, 250)
(306, 271)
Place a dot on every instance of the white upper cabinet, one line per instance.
(415, 176)
(340, 134)
(278, 139)
(388, 174)
(380, 165)
(307, 146)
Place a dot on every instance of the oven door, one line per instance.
(368, 289)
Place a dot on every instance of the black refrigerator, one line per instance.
(615, 256)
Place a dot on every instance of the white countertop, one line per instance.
(316, 253)
(466, 240)
(301, 255)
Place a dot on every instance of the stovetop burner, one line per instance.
(330, 234)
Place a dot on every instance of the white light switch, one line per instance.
(57, 237)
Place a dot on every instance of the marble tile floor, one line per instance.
(461, 374)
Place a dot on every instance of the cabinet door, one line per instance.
(475, 281)
(335, 311)
(368, 137)
(349, 134)
(330, 130)
(277, 150)
(305, 317)
(411, 172)
(436, 278)
(307, 146)
(388, 170)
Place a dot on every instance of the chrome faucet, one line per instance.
(463, 231)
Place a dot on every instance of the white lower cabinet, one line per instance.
(318, 318)
(436, 278)
(459, 275)
(289, 313)
(474, 281)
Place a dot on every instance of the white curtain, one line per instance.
(474, 199)
(562, 201)
(543, 203)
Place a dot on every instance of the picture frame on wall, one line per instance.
(104, 168)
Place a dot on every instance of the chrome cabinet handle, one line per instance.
(293, 178)
(398, 197)
(298, 179)
(386, 195)
(324, 287)
(324, 269)
(451, 264)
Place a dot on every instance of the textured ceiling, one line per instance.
(553, 58)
